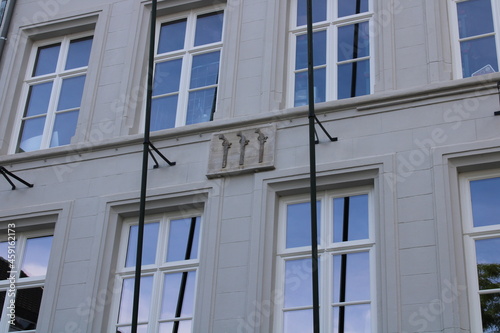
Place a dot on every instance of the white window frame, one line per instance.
(157, 270)
(26, 282)
(455, 37)
(471, 234)
(56, 78)
(331, 25)
(186, 54)
(326, 249)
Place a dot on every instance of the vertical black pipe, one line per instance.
(312, 162)
(182, 288)
(343, 266)
(144, 180)
(355, 52)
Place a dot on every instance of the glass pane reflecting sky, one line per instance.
(46, 59)
(298, 283)
(357, 277)
(172, 296)
(358, 218)
(351, 7)
(149, 245)
(209, 28)
(172, 36)
(300, 321)
(184, 327)
(488, 263)
(79, 53)
(318, 14)
(357, 319)
(298, 227)
(474, 18)
(485, 197)
(178, 239)
(127, 299)
(36, 256)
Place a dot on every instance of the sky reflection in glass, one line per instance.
(357, 277)
(298, 226)
(209, 28)
(36, 256)
(149, 245)
(178, 239)
(172, 294)
(299, 321)
(358, 218)
(172, 35)
(357, 319)
(298, 283)
(127, 300)
(485, 197)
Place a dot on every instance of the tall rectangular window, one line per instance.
(342, 50)
(481, 217)
(476, 25)
(53, 93)
(24, 259)
(169, 275)
(186, 76)
(346, 263)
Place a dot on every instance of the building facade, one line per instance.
(408, 197)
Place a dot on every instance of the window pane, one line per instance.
(183, 239)
(474, 18)
(201, 106)
(128, 329)
(79, 53)
(479, 56)
(485, 197)
(209, 28)
(31, 134)
(354, 41)
(490, 312)
(167, 77)
(46, 59)
(357, 318)
(2, 301)
(355, 276)
(172, 36)
(205, 70)
(319, 53)
(351, 7)
(318, 11)
(38, 99)
(71, 93)
(127, 299)
(298, 224)
(354, 79)
(178, 295)
(163, 112)
(27, 309)
(148, 247)
(356, 219)
(36, 256)
(184, 327)
(298, 283)
(4, 261)
(300, 321)
(301, 87)
(64, 128)
(488, 263)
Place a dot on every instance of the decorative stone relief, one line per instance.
(242, 151)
